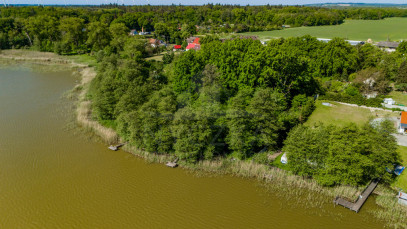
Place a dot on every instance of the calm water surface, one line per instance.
(51, 177)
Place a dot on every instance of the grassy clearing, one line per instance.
(159, 57)
(340, 114)
(399, 97)
(377, 30)
(401, 181)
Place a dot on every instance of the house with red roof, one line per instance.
(196, 41)
(403, 122)
(193, 46)
(193, 43)
(176, 48)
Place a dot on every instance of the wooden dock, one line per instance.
(172, 164)
(116, 147)
(357, 205)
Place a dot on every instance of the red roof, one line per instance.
(196, 41)
(404, 117)
(191, 46)
(177, 46)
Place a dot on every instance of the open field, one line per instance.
(377, 30)
(399, 97)
(340, 114)
(159, 57)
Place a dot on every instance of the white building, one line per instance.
(389, 101)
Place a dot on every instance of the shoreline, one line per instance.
(276, 179)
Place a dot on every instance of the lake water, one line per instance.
(52, 176)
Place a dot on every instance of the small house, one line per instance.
(388, 46)
(196, 41)
(177, 48)
(133, 32)
(155, 42)
(389, 101)
(193, 46)
(403, 122)
(191, 39)
(355, 43)
(402, 198)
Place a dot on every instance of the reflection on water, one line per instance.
(53, 178)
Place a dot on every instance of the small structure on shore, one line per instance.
(389, 101)
(116, 147)
(172, 164)
(402, 198)
(357, 205)
(284, 159)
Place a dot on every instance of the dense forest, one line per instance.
(240, 99)
(84, 29)
(235, 98)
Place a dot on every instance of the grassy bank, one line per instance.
(377, 30)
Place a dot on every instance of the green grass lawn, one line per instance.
(401, 181)
(399, 97)
(377, 30)
(341, 115)
(84, 59)
(159, 57)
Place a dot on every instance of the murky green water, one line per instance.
(52, 177)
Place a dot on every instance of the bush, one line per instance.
(168, 57)
(401, 87)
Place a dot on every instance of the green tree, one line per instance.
(98, 36)
(402, 48)
(72, 31)
(337, 60)
(168, 57)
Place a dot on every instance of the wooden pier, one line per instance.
(172, 164)
(357, 205)
(116, 147)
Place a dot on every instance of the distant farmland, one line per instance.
(377, 30)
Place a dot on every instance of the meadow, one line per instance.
(394, 29)
(399, 97)
(339, 114)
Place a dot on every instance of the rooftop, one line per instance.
(403, 117)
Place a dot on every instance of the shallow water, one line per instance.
(53, 177)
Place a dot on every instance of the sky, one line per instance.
(193, 2)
